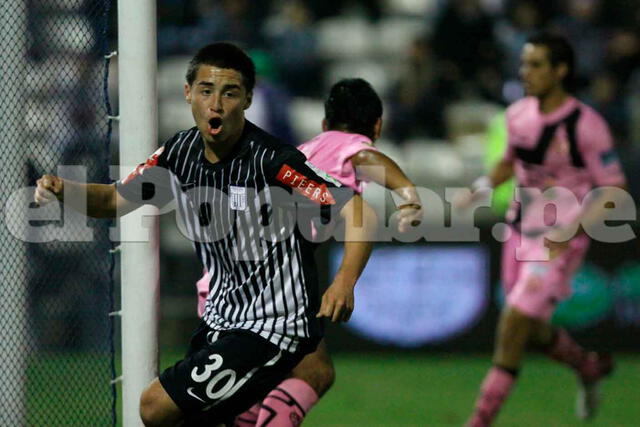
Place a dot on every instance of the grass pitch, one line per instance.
(440, 390)
(370, 390)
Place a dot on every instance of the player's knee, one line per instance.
(148, 408)
(543, 336)
(514, 315)
(152, 412)
(326, 376)
(320, 375)
(514, 322)
(514, 332)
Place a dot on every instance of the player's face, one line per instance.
(538, 75)
(218, 99)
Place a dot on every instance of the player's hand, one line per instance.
(49, 189)
(480, 189)
(409, 215)
(337, 301)
(462, 200)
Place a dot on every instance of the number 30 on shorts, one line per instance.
(228, 374)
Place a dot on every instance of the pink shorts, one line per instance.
(533, 283)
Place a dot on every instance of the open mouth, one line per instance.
(215, 125)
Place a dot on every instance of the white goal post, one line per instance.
(138, 124)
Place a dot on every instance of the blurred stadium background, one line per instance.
(419, 342)
(446, 69)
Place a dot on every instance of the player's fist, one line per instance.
(409, 216)
(48, 189)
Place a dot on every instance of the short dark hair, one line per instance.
(560, 51)
(353, 105)
(224, 55)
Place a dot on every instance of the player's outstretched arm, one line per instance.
(501, 173)
(360, 227)
(374, 166)
(102, 200)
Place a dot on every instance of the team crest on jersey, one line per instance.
(237, 198)
(139, 170)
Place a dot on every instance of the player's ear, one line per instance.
(562, 70)
(325, 126)
(377, 129)
(248, 99)
(187, 93)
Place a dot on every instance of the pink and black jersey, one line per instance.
(331, 151)
(564, 155)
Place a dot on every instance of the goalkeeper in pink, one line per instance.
(559, 150)
(345, 151)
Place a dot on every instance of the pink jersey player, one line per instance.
(331, 151)
(559, 149)
(557, 159)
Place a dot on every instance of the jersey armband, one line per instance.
(315, 191)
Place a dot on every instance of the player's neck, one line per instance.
(552, 100)
(345, 129)
(215, 151)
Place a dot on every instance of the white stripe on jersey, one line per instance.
(258, 280)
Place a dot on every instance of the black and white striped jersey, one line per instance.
(247, 216)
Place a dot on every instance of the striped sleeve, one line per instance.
(149, 182)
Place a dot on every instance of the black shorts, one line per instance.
(225, 373)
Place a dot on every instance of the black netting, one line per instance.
(56, 287)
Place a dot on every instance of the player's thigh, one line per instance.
(316, 369)
(226, 376)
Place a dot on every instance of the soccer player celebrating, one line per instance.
(344, 150)
(238, 190)
(559, 149)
